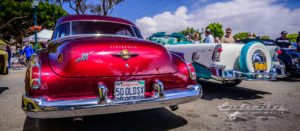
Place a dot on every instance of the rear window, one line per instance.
(101, 27)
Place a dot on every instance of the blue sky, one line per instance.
(263, 17)
(134, 9)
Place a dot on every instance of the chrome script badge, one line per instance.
(84, 57)
(125, 54)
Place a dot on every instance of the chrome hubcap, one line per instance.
(258, 57)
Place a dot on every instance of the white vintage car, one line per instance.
(230, 63)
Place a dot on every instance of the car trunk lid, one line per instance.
(106, 57)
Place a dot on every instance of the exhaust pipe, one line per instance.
(78, 118)
(174, 107)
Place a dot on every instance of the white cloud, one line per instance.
(259, 16)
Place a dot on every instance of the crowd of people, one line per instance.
(282, 41)
(12, 53)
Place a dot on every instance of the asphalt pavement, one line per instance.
(252, 105)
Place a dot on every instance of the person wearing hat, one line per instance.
(209, 38)
(29, 51)
(8, 50)
(282, 41)
(188, 37)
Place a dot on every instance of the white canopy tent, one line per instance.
(42, 36)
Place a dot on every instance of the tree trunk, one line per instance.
(11, 20)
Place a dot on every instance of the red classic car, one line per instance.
(99, 65)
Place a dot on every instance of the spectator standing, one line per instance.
(13, 51)
(282, 41)
(298, 41)
(209, 38)
(29, 51)
(196, 38)
(250, 35)
(188, 37)
(9, 55)
(227, 38)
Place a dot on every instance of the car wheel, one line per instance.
(254, 52)
(232, 82)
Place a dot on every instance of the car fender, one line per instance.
(286, 58)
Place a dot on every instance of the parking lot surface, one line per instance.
(252, 105)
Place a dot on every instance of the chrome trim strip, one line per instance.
(89, 35)
(186, 64)
(133, 31)
(70, 108)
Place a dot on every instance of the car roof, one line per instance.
(92, 17)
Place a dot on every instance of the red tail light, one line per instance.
(192, 71)
(35, 77)
(220, 50)
(217, 53)
(276, 53)
(35, 72)
(35, 83)
(279, 51)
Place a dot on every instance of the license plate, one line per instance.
(260, 66)
(129, 90)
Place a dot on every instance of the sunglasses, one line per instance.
(228, 32)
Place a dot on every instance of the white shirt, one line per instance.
(209, 39)
(196, 41)
(13, 49)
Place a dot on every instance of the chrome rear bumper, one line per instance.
(40, 108)
(219, 73)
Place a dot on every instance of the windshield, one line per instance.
(100, 27)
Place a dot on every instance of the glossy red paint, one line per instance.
(69, 79)
(151, 58)
(54, 87)
(92, 17)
